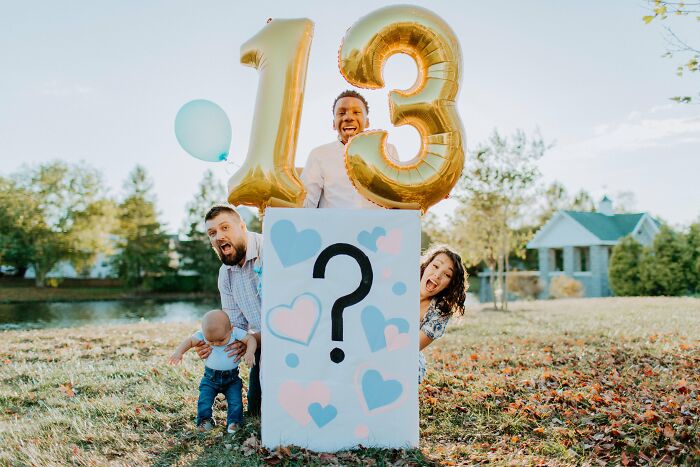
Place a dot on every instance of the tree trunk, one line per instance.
(500, 278)
(492, 282)
(505, 284)
(39, 277)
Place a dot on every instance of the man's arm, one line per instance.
(312, 178)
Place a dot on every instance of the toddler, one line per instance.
(220, 370)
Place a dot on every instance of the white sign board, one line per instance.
(340, 328)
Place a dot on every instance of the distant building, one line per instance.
(578, 244)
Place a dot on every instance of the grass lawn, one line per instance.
(597, 381)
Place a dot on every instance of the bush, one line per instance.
(524, 286)
(661, 268)
(565, 287)
(623, 271)
(173, 283)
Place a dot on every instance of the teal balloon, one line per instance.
(203, 130)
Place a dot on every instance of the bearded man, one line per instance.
(240, 252)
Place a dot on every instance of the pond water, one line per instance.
(69, 314)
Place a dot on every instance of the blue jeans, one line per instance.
(216, 382)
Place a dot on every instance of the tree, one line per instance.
(142, 245)
(494, 193)
(52, 213)
(624, 268)
(662, 10)
(661, 268)
(196, 252)
(691, 258)
(556, 198)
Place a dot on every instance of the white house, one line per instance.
(578, 244)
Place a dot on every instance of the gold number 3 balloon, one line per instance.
(429, 106)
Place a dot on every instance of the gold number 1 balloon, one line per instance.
(280, 52)
(429, 106)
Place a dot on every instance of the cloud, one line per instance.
(56, 89)
(661, 126)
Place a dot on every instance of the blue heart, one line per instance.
(377, 391)
(291, 246)
(373, 323)
(369, 240)
(322, 415)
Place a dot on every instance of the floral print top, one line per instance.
(433, 325)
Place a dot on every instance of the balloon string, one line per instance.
(232, 167)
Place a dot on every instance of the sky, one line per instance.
(100, 82)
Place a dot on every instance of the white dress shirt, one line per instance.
(327, 182)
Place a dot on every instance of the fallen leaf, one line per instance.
(669, 432)
(67, 389)
(650, 415)
(682, 386)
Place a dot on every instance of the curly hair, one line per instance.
(450, 300)
(351, 93)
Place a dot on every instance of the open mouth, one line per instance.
(430, 285)
(226, 248)
(350, 129)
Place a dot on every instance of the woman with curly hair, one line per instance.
(443, 289)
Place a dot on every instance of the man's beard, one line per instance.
(234, 258)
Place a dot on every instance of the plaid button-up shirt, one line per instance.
(239, 287)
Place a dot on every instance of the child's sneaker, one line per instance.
(206, 425)
(232, 428)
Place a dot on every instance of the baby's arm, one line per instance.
(251, 347)
(184, 346)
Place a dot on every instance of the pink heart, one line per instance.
(391, 242)
(362, 431)
(394, 339)
(298, 322)
(295, 399)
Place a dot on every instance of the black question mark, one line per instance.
(337, 355)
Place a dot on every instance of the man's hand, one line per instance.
(249, 359)
(203, 349)
(235, 349)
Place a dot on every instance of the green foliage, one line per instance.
(50, 213)
(195, 250)
(494, 194)
(663, 11)
(623, 271)
(670, 266)
(141, 243)
(172, 283)
(661, 269)
(691, 257)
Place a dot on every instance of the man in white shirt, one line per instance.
(324, 176)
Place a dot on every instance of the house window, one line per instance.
(582, 259)
(556, 259)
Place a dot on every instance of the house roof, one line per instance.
(607, 228)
